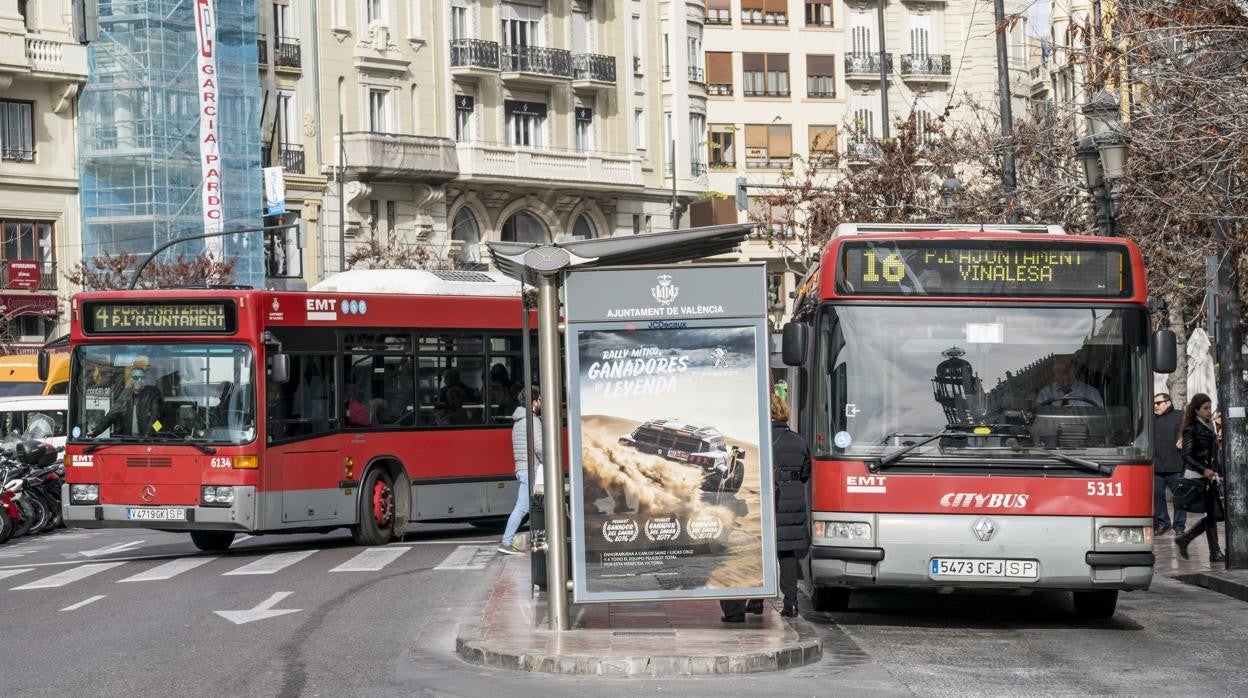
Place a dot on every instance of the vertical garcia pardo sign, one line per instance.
(670, 433)
(208, 89)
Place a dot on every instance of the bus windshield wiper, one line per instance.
(179, 441)
(924, 439)
(112, 441)
(1066, 458)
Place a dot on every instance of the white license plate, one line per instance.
(156, 514)
(1004, 569)
(677, 454)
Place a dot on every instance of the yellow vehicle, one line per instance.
(19, 375)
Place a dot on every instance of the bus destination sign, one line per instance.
(1029, 268)
(181, 317)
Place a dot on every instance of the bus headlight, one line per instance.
(84, 494)
(213, 496)
(1124, 535)
(842, 530)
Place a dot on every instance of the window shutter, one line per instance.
(821, 65)
(718, 68)
(779, 141)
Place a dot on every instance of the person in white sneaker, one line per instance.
(520, 452)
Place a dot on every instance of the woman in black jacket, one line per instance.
(1200, 459)
(791, 472)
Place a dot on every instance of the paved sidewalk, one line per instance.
(508, 629)
(1198, 570)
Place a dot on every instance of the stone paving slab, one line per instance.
(507, 629)
(1197, 569)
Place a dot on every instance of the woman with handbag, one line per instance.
(1200, 461)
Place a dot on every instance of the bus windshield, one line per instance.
(203, 393)
(1007, 382)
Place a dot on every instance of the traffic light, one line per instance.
(742, 201)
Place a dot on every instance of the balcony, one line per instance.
(926, 67)
(593, 70)
(860, 151)
(535, 64)
(287, 53)
(396, 156)
(866, 66)
(292, 158)
(697, 74)
(47, 277)
(587, 171)
(41, 56)
(473, 57)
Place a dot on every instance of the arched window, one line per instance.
(584, 228)
(465, 228)
(525, 227)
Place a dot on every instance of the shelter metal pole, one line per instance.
(552, 444)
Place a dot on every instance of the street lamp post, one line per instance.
(1103, 155)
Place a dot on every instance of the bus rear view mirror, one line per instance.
(793, 343)
(279, 368)
(1165, 358)
(42, 365)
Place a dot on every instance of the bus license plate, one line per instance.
(1008, 569)
(156, 514)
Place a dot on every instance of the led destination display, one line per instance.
(957, 268)
(143, 318)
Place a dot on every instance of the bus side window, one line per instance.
(302, 406)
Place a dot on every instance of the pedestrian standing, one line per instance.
(1200, 460)
(520, 453)
(1167, 464)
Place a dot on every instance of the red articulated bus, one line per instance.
(377, 398)
(977, 403)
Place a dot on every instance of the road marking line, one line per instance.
(370, 560)
(80, 604)
(434, 542)
(170, 569)
(468, 557)
(261, 612)
(13, 573)
(118, 548)
(60, 579)
(271, 563)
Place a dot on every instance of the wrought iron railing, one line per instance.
(47, 274)
(287, 52)
(474, 53)
(696, 74)
(538, 60)
(592, 66)
(867, 63)
(292, 158)
(926, 64)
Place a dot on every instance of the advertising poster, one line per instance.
(670, 458)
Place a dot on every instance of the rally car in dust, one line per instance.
(723, 466)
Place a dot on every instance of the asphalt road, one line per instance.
(140, 613)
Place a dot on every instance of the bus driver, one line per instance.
(1066, 390)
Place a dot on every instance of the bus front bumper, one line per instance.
(238, 516)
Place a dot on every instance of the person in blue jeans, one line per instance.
(1167, 464)
(520, 453)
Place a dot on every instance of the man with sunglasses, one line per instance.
(136, 406)
(1167, 464)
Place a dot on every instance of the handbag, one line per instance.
(1189, 495)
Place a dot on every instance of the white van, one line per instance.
(39, 417)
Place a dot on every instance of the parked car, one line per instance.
(723, 466)
(38, 417)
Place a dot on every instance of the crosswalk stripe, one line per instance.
(170, 569)
(12, 573)
(468, 557)
(271, 563)
(371, 560)
(80, 604)
(60, 579)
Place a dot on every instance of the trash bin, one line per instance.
(537, 523)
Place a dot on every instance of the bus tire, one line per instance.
(376, 524)
(1097, 604)
(829, 599)
(212, 541)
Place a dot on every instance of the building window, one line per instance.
(768, 146)
(17, 131)
(694, 57)
(525, 123)
(525, 227)
(636, 39)
(376, 11)
(719, 12)
(468, 233)
(822, 142)
(32, 241)
(765, 74)
(639, 127)
(583, 229)
(818, 14)
(464, 105)
(718, 73)
(379, 111)
(697, 131)
(584, 129)
(821, 76)
(771, 12)
(459, 22)
(722, 147)
(413, 19)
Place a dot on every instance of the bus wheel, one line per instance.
(212, 541)
(1096, 604)
(829, 599)
(377, 512)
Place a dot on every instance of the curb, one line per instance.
(1215, 582)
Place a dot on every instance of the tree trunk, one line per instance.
(1178, 379)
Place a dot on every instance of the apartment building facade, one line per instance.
(790, 82)
(42, 68)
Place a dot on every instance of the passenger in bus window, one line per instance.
(1066, 390)
(357, 415)
(501, 395)
(135, 408)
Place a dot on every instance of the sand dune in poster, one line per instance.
(623, 484)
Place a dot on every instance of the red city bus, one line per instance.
(222, 411)
(977, 403)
